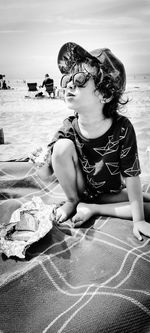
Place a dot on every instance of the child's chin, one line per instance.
(70, 105)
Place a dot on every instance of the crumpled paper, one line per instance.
(41, 213)
(40, 156)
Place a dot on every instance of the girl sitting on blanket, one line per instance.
(94, 154)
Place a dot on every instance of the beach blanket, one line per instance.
(91, 279)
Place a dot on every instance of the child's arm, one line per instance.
(134, 190)
(133, 185)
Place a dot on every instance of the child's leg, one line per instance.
(116, 205)
(121, 197)
(85, 211)
(66, 168)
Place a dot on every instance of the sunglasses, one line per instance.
(79, 79)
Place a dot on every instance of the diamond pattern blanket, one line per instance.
(91, 279)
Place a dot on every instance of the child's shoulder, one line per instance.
(123, 120)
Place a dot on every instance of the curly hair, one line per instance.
(108, 87)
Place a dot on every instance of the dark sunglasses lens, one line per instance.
(79, 79)
(65, 80)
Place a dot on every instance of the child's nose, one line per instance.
(70, 84)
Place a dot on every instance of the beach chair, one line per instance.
(32, 86)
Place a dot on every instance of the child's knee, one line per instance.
(63, 149)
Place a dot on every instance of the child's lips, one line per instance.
(69, 94)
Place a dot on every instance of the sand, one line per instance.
(30, 122)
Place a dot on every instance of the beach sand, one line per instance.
(29, 123)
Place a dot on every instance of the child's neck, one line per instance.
(93, 127)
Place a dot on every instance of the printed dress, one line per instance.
(106, 160)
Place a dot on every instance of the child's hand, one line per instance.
(141, 227)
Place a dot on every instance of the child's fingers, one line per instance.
(60, 216)
(137, 233)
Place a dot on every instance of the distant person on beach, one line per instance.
(1, 80)
(94, 154)
(48, 83)
(47, 80)
(3, 84)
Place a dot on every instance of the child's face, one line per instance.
(80, 88)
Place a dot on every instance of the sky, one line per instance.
(33, 31)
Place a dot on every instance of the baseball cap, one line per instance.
(72, 53)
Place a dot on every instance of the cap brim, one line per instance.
(71, 54)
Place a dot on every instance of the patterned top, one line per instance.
(106, 159)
